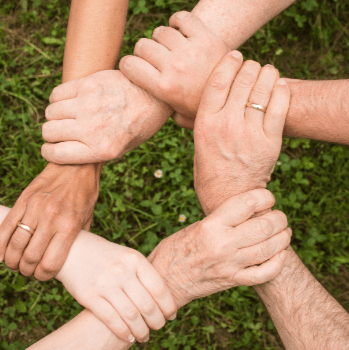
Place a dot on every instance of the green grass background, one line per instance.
(307, 41)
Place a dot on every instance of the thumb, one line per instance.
(69, 152)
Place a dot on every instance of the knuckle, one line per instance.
(164, 86)
(249, 200)
(18, 242)
(31, 257)
(49, 266)
(148, 307)
(132, 315)
(218, 81)
(266, 226)
(245, 79)
(52, 209)
(160, 290)
(133, 257)
(87, 85)
(265, 250)
(8, 224)
(261, 91)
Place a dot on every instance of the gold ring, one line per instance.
(25, 227)
(255, 106)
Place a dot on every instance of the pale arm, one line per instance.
(306, 316)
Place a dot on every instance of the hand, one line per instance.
(176, 64)
(57, 204)
(99, 118)
(236, 147)
(118, 285)
(221, 251)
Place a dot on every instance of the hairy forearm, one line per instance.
(94, 36)
(306, 316)
(318, 110)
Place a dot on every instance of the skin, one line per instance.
(60, 201)
(193, 263)
(119, 285)
(228, 20)
(305, 314)
(175, 68)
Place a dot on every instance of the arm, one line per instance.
(179, 259)
(230, 20)
(65, 194)
(178, 77)
(94, 36)
(306, 316)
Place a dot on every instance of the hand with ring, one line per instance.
(238, 129)
(37, 233)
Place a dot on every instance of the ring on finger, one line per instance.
(25, 227)
(256, 106)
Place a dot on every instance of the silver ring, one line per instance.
(256, 106)
(25, 227)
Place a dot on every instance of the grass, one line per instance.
(308, 41)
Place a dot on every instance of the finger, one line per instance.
(241, 90)
(55, 254)
(260, 94)
(219, 83)
(65, 109)
(263, 273)
(275, 116)
(264, 251)
(157, 288)
(69, 152)
(35, 250)
(241, 207)
(152, 52)
(145, 304)
(141, 73)
(61, 130)
(9, 225)
(64, 91)
(130, 315)
(183, 122)
(259, 229)
(19, 241)
(105, 312)
(188, 24)
(169, 37)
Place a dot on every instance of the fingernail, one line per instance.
(289, 230)
(131, 338)
(146, 339)
(269, 65)
(172, 317)
(281, 82)
(236, 54)
(283, 255)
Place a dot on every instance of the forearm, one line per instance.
(84, 332)
(94, 36)
(236, 21)
(318, 110)
(304, 313)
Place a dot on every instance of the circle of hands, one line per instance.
(187, 72)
